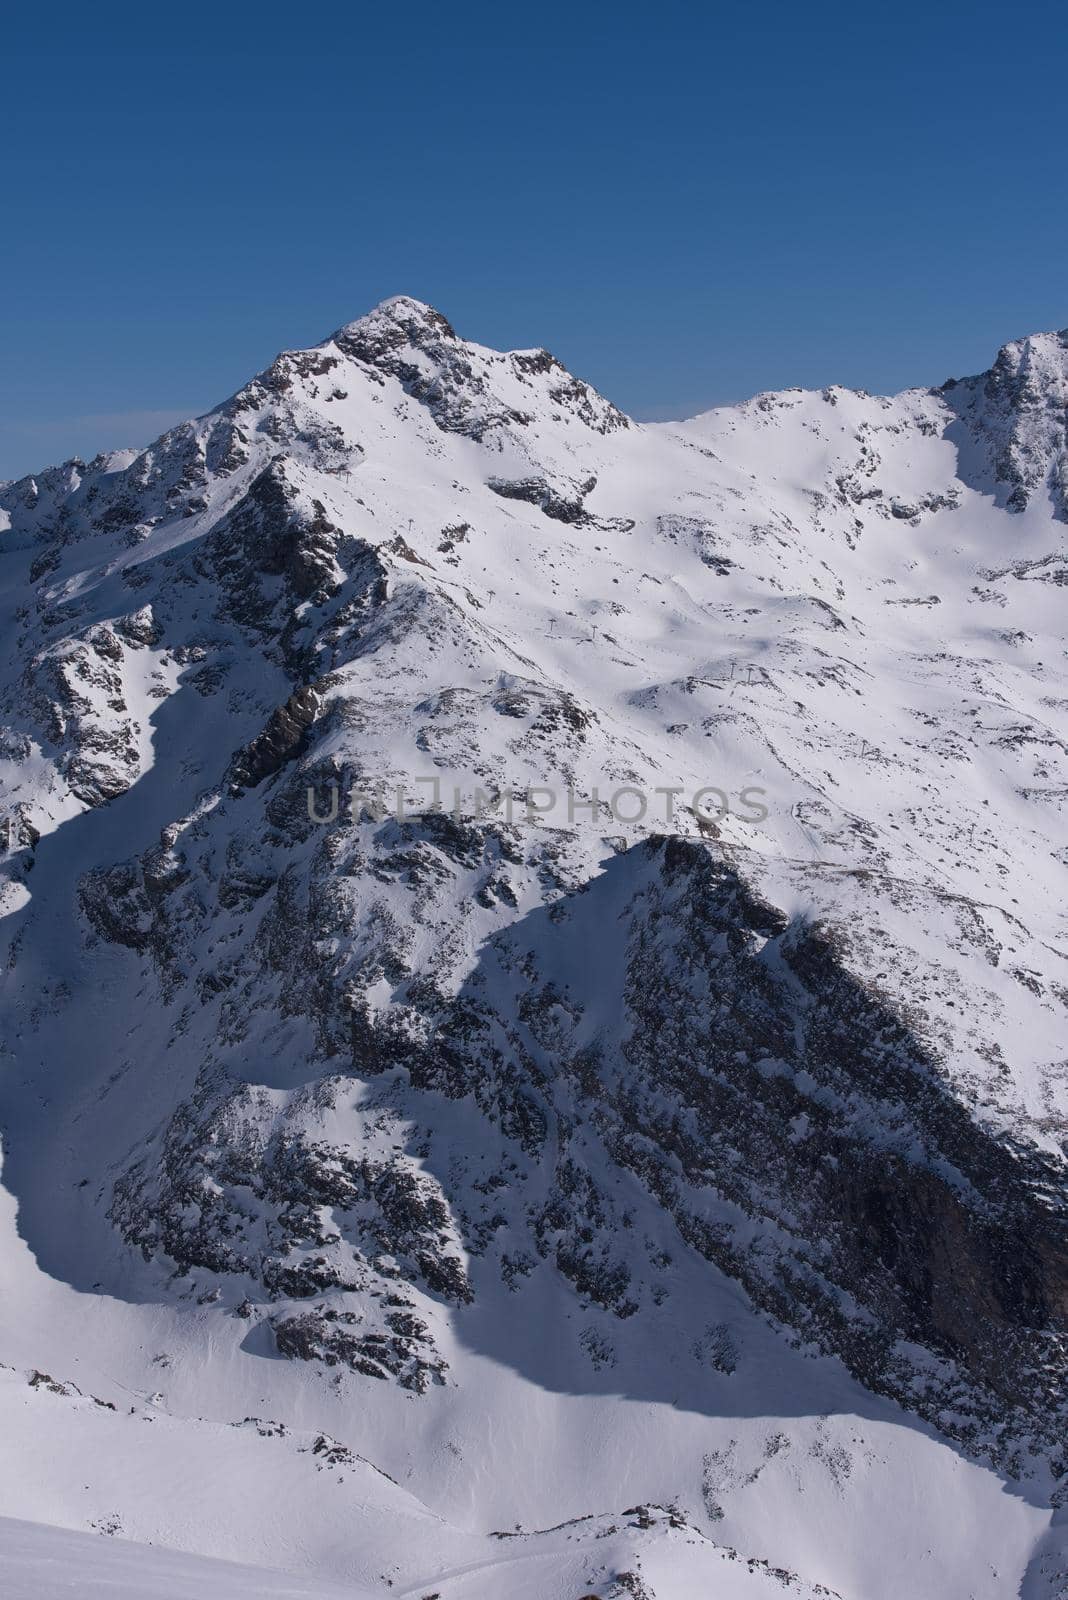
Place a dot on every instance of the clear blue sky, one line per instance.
(686, 202)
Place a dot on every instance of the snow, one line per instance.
(823, 595)
(43, 1563)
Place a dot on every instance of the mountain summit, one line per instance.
(535, 981)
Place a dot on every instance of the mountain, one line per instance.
(535, 976)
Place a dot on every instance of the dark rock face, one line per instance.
(791, 1124)
(750, 1064)
(280, 741)
(562, 505)
(337, 1338)
(811, 1104)
(1018, 388)
(270, 533)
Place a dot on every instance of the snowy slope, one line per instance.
(43, 1563)
(541, 1194)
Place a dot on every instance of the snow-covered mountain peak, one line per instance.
(525, 929)
(1017, 414)
(397, 320)
(466, 387)
(1035, 364)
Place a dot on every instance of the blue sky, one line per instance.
(686, 202)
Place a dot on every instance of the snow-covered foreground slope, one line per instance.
(534, 987)
(42, 1563)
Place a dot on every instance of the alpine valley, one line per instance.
(552, 1181)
